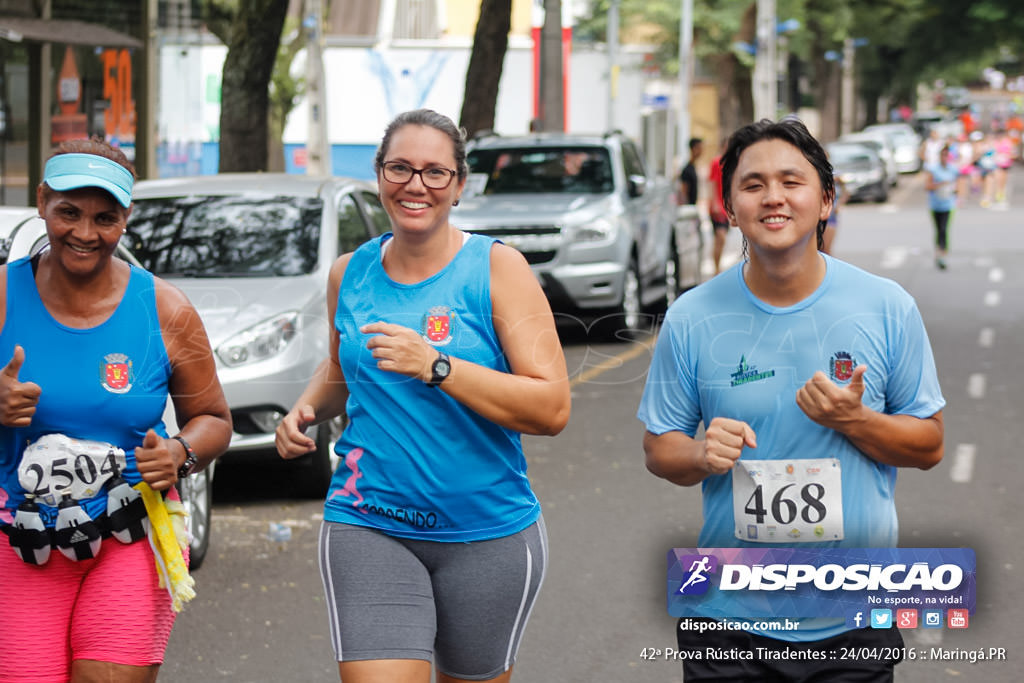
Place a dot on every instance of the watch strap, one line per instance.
(190, 457)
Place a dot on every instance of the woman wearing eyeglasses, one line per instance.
(444, 351)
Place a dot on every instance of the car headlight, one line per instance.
(596, 230)
(259, 342)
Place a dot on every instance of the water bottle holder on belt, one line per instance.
(81, 539)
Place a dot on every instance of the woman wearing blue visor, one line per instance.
(90, 349)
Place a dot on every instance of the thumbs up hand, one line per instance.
(18, 399)
(157, 462)
(831, 405)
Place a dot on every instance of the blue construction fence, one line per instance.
(202, 158)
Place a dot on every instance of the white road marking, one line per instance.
(894, 257)
(976, 385)
(963, 463)
(986, 337)
(992, 298)
(996, 275)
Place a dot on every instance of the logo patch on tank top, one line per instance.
(116, 373)
(841, 366)
(437, 325)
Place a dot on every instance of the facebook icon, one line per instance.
(855, 620)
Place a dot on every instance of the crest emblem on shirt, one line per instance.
(116, 373)
(437, 325)
(841, 366)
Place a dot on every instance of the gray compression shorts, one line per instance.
(464, 605)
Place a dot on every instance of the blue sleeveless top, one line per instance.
(416, 463)
(106, 383)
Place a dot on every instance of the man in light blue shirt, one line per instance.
(806, 373)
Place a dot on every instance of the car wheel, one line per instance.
(323, 460)
(196, 494)
(883, 195)
(624, 322)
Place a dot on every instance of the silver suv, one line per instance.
(603, 236)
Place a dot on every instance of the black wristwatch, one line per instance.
(440, 370)
(190, 458)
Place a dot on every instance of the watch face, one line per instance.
(440, 369)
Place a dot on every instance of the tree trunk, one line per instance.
(486, 61)
(824, 73)
(252, 49)
(735, 90)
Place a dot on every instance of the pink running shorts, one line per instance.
(108, 609)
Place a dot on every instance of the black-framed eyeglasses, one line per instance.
(436, 178)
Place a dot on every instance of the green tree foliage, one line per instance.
(903, 42)
(285, 90)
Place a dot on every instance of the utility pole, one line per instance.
(146, 107)
(613, 62)
(552, 98)
(846, 103)
(765, 85)
(318, 154)
(685, 78)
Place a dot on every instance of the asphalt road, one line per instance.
(259, 614)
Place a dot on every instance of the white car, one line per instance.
(882, 144)
(252, 252)
(906, 145)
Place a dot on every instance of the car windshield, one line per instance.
(226, 236)
(565, 170)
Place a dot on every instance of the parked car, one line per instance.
(601, 232)
(955, 97)
(906, 145)
(949, 127)
(252, 252)
(860, 169)
(883, 146)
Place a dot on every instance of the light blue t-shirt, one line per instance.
(943, 197)
(416, 463)
(723, 352)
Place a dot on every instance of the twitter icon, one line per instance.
(881, 618)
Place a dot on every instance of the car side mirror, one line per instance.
(636, 185)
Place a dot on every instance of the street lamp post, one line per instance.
(613, 61)
(846, 114)
(685, 77)
(765, 84)
(318, 157)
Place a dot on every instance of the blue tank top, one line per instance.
(105, 383)
(417, 463)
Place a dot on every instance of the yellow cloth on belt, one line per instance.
(168, 538)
